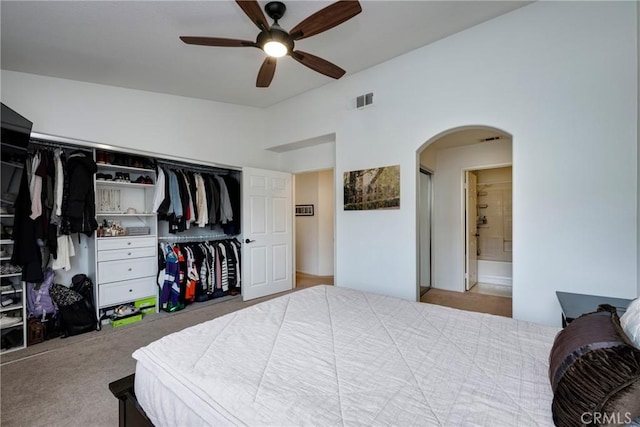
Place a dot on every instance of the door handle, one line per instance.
(249, 241)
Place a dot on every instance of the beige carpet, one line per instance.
(470, 301)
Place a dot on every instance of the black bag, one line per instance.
(75, 306)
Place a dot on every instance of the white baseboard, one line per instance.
(496, 280)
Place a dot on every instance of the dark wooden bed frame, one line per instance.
(130, 413)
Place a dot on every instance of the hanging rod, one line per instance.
(200, 238)
(194, 168)
(51, 144)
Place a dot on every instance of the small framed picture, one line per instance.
(304, 210)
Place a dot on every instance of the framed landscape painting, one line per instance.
(377, 188)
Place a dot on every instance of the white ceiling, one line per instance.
(134, 44)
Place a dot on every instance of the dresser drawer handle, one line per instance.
(129, 243)
(130, 290)
(129, 253)
(130, 268)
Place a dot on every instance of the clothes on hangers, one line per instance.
(55, 199)
(158, 195)
(81, 205)
(198, 199)
(198, 271)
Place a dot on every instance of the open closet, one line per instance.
(149, 232)
(167, 232)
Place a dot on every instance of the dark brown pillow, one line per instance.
(594, 373)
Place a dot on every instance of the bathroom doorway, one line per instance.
(488, 230)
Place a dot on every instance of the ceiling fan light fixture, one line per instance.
(275, 49)
(276, 42)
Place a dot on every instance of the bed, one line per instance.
(333, 356)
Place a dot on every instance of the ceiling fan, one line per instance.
(276, 42)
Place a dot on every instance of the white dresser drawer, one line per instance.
(125, 269)
(125, 242)
(122, 254)
(121, 292)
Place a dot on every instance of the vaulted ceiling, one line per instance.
(135, 44)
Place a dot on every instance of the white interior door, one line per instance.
(267, 233)
(471, 229)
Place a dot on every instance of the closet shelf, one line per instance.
(105, 183)
(11, 275)
(6, 215)
(124, 168)
(9, 327)
(6, 242)
(124, 214)
(10, 308)
(13, 164)
(145, 236)
(5, 258)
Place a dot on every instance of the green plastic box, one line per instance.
(126, 320)
(146, 305)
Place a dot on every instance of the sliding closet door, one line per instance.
(267, 233)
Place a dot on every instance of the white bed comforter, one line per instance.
(331, 356)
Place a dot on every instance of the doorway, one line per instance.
(314, 227)
(488, 230)
(447, 156)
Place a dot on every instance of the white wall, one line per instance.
(326, 214)
(562, 78)
(314, 234)
(159, 123)
(307, 226)
(448, 219)
(321, 156)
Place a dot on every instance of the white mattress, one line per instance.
(332, 356)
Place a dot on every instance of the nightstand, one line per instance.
(575, 305)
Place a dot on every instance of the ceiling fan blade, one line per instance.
(267, 70)
(318, 64)
(217, 41)
(253, 10)
(332, 15)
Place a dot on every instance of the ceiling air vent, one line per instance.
(364, 100)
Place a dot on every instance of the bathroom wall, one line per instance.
(495, 242)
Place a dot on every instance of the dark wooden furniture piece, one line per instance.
(130, 413)
(575, 305)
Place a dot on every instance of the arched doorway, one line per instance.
(456, 234)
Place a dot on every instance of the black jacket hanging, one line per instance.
(81, 206)
(26, 251)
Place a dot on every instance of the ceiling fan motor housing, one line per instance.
(275, 10)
